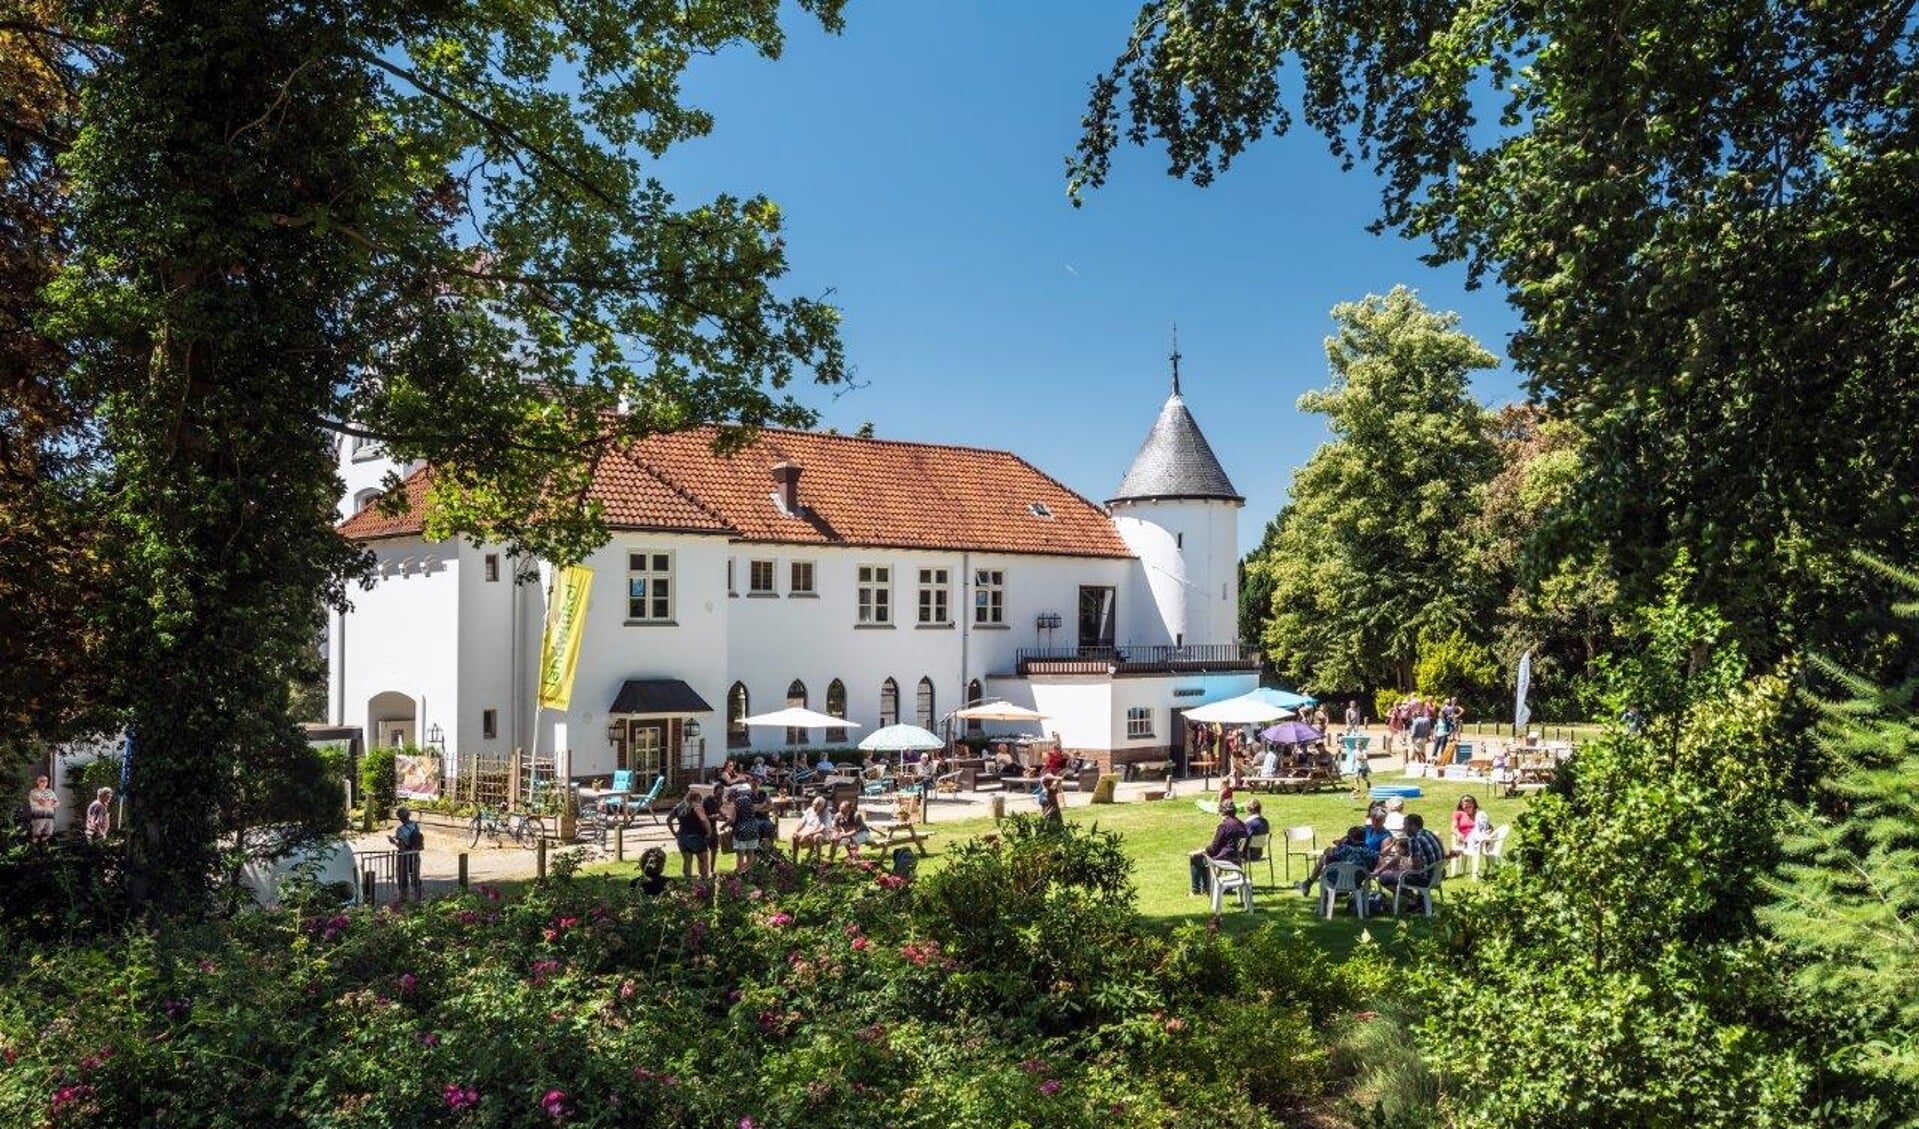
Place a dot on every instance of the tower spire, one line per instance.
(1175, 358)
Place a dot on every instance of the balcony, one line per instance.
(1197, 658)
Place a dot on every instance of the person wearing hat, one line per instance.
(1229, 840)
(407, 841)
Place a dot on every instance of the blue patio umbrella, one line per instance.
(1290, 733)
(1286, 699)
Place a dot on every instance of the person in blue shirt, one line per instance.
(1350, 849)
(1376, 832)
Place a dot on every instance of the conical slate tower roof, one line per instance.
(1175, 461)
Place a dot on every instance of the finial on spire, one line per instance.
(1175, 358)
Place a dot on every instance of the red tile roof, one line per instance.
(872, 493)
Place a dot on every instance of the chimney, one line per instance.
(787, 475)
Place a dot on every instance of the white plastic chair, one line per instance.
(1491, 849)
(1228, 877)
(1342, 879)
(1435, 873)
(1301, 834)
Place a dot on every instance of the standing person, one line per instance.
(1352, 715)
(100, 816)
(1419, 732)
(746, 827)
(42, 802)
(408, 840)
(687, 822)
(1052, 802)
(1229, 839)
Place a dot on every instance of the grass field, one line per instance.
(1159, 835)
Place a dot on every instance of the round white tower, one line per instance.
(1179, 513)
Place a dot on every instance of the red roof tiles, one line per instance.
(867, 492)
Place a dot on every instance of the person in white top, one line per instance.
(100, 816)
(814, 829)
(1395, 815)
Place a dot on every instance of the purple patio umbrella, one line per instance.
(1290, 733)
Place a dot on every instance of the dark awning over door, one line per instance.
(658, 697)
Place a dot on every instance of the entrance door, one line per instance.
(645, 750)
(1096, 605)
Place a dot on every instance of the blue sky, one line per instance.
(919, 161)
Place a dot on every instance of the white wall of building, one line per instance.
(403, 636)
(1186, 588)
(692, 647)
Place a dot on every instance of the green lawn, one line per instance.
(1159, 835)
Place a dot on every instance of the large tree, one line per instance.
(424, 221)
(1370, 553)
(1702, 212)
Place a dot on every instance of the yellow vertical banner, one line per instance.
(560, 645)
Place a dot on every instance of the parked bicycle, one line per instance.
(523, 828)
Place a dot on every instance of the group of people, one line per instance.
(1426, 727)
(43, 802)
(1393, 847)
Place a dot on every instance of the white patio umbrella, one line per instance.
(999, 711)
(1242, 710)
(900, 738)
(798, 717)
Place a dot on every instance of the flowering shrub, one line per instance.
(816, 995)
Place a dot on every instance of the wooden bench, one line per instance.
(893, 835)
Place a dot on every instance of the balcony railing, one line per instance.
(1136, 660)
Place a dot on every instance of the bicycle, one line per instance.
(522, 827)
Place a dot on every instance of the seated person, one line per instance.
(1003, 757)
(1269, 762)
(816, 826)
(759, 770)
(1502, 765)
(1395, 815)
(1423, 850)
(1229, 838)
(1377, 836)
(825, 767)
(731, 775)
(1350, 849)
(1055, 763)
(849, 830)
(1393, 860)
(1256, 826)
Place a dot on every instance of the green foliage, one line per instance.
(1848, 894)
(826, 995)
(380, 778)
(432, 226)
(1617, 964)
(1457, 666)
(1366, 557)
(1699, 214)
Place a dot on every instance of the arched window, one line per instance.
(925, 703)
(365, 498)
(889, 703)
(975, 694)
(737, 705)
(796, 699)
(836, 705)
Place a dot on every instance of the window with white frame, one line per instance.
(759, 578)
(989, 595)
(649, 587)
(934, 593)
(800, 579)
(1139, 722)
(876, 594)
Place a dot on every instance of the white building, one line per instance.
(874, 580)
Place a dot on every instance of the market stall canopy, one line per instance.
(1243, 710)
(900, 738)
(999, 711)
(793, 717)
